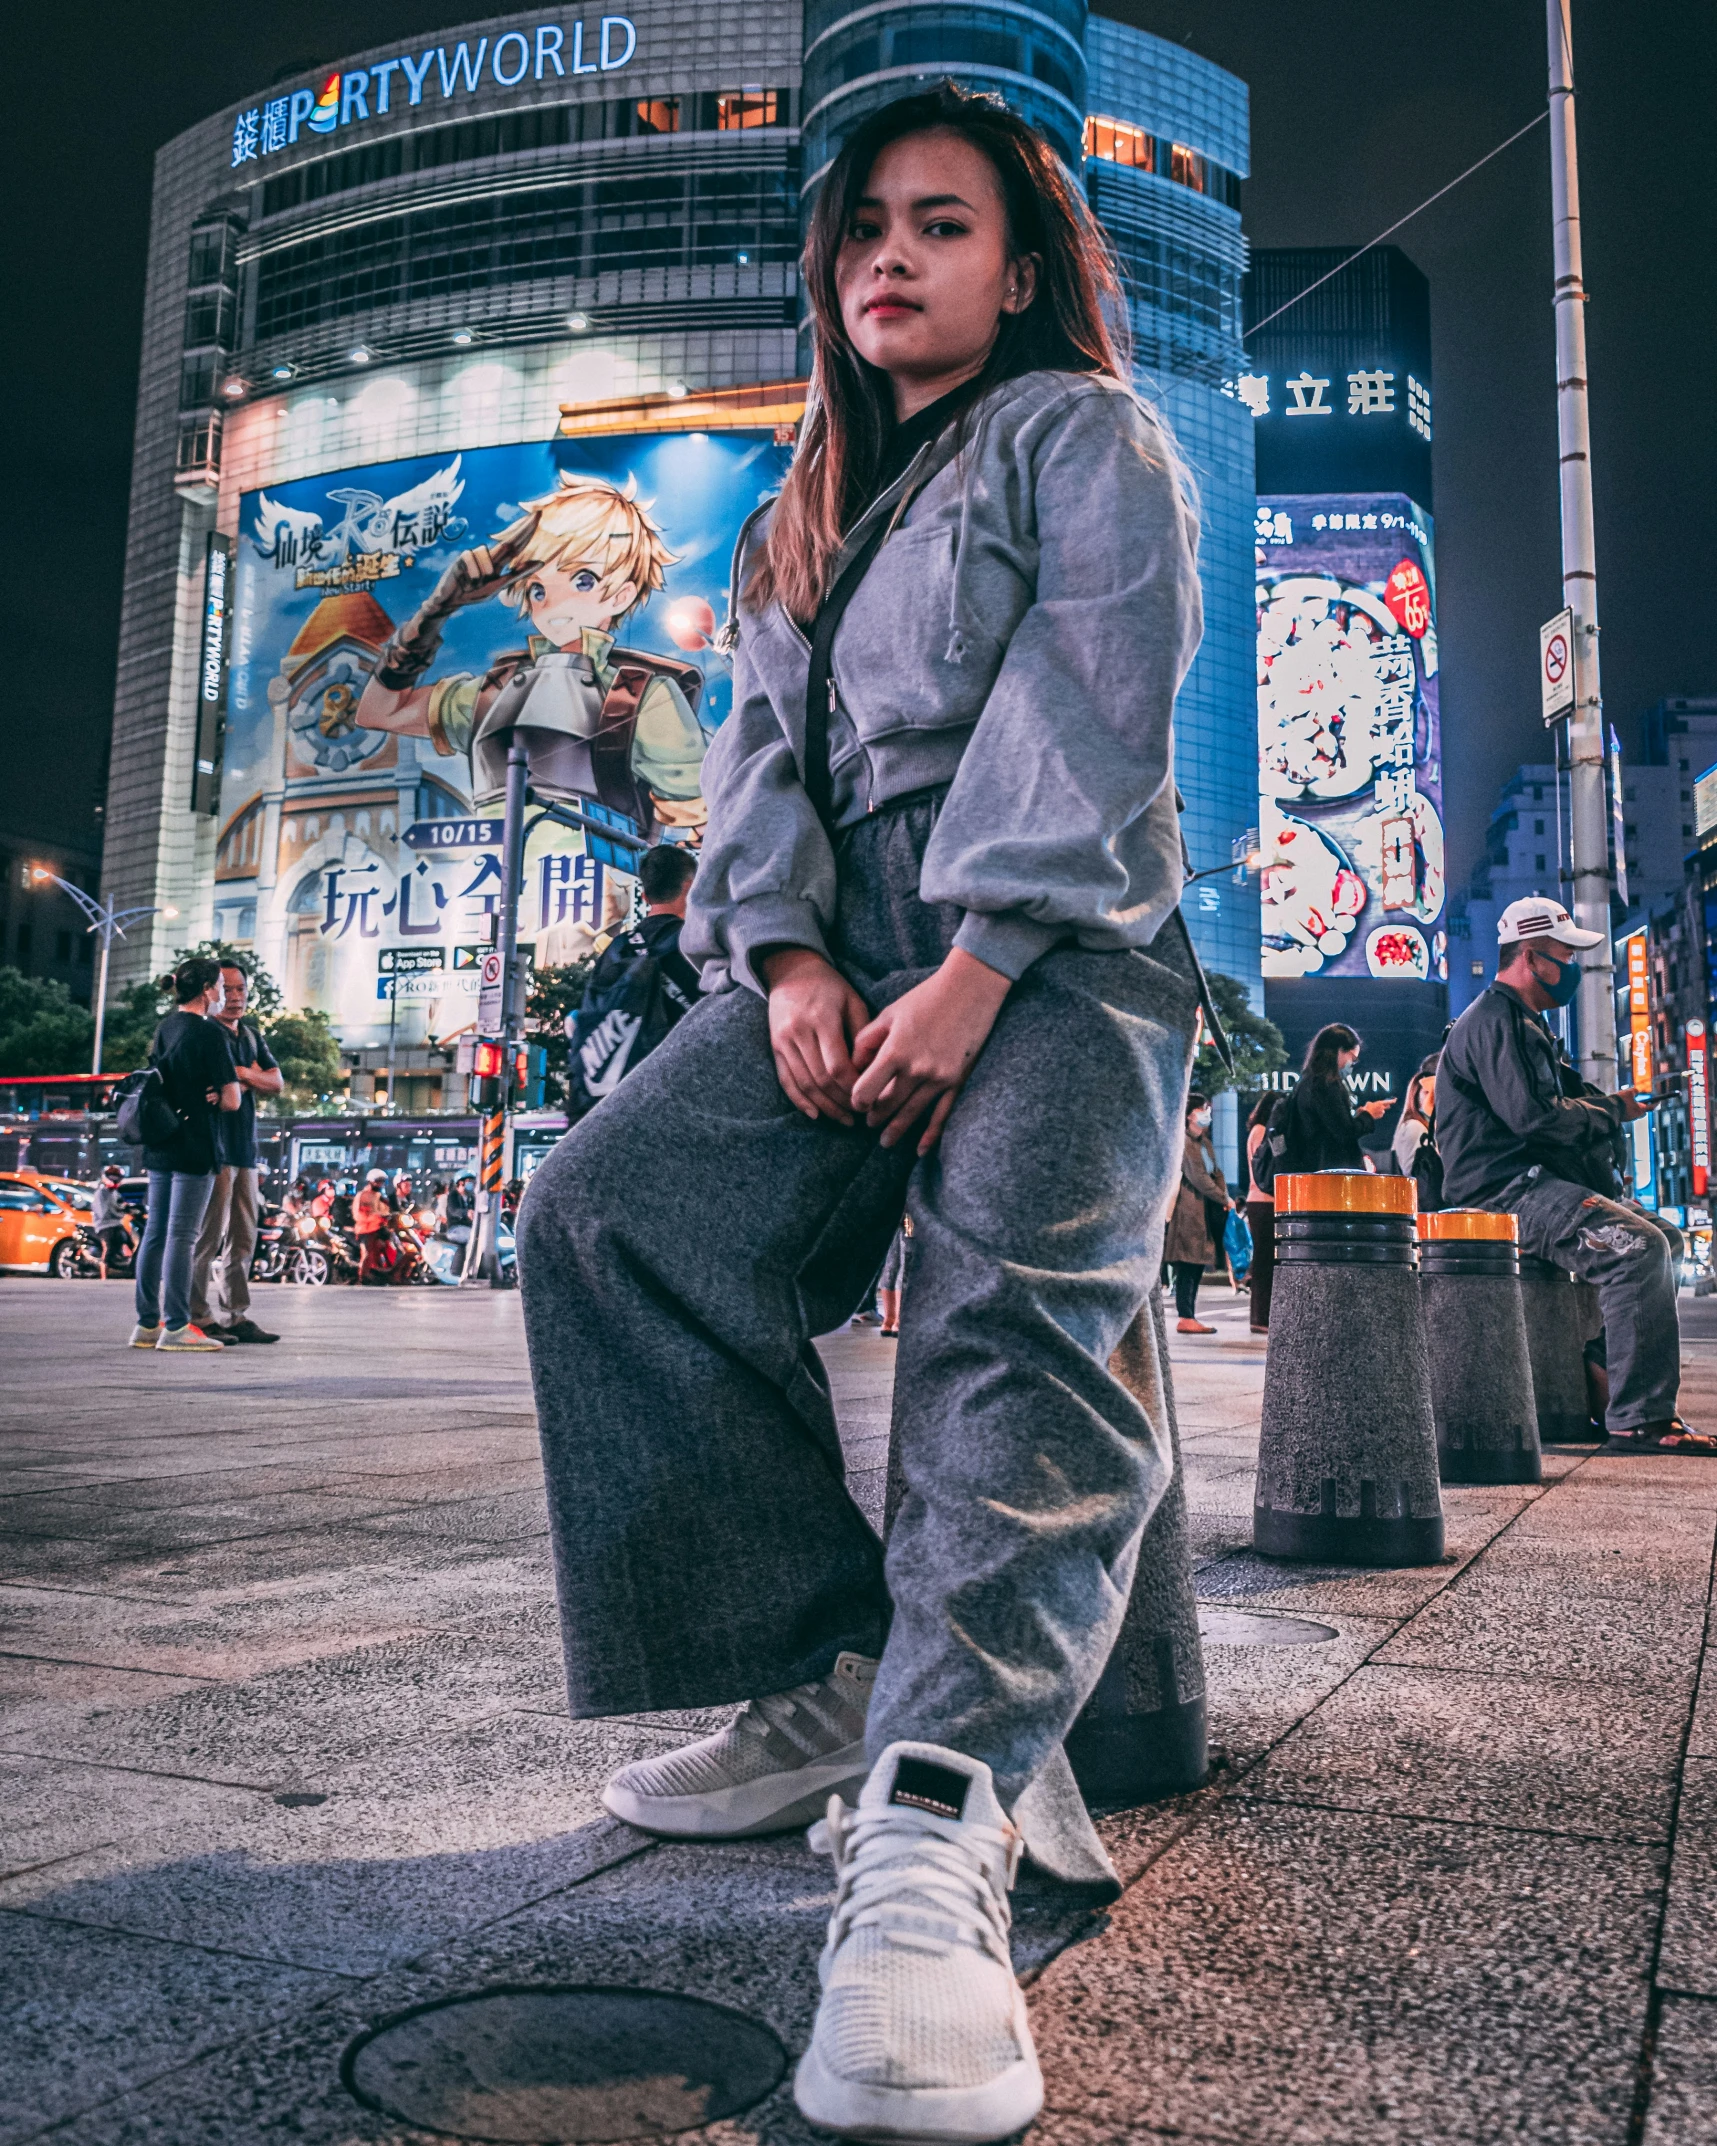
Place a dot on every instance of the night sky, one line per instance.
(1357, 114)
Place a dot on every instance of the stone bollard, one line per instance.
(1557, 1316)
(1347, 1459)
(1475, 1331)
(1142, 1732)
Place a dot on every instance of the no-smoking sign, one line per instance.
(1556, 666)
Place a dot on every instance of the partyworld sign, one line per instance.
(437, 74)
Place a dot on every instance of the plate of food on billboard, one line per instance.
(1349, 741)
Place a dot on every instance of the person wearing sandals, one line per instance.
(943, 966)
(1520, 1132)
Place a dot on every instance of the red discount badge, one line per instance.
(1408, 598)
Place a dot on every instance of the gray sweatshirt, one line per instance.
(1021, 635)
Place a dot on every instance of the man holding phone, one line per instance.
(1521, 1133)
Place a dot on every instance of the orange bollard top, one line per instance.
(1471, 1224)
(1344, 1192)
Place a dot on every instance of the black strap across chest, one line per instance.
(816, 774)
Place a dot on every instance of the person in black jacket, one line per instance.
(192, 1055)
(1323, 1119)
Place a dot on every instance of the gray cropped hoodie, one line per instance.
(1020, 636)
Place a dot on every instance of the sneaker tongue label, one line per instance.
(928, 1787)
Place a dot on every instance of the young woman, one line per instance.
(1194, 1239)
(1260, 1214)
(936, 917)
(1324, 1127)
(1416, 1114)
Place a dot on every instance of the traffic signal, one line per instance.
(530, 1076)
(487, 1063)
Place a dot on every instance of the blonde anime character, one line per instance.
(605, 725)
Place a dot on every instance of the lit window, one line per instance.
(1186, 167)
(747, 108)
(659, 115)
(1117, 143)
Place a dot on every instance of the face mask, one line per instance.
(1566, 989)
(1200, 1121)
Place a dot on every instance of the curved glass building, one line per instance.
(395, 304)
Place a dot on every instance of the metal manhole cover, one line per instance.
(538, 2067)
(1240, 1628)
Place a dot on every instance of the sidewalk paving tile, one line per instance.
(1683, 2108)
(1293, 1978)
(1688, 1958)
(90, 2014)
(1580, 1759)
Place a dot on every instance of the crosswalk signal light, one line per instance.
(487, 1061)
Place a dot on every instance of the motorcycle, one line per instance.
(275, 1245)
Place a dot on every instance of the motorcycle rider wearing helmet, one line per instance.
(372, 1218)
(1521, 1133)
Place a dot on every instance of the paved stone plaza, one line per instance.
(283, 1753)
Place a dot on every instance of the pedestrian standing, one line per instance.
(1198, 1218)
(191, 1053)
(226, 1244)
(1322, 1121)
(893, 1281)
(1260, 1213)
(1417, 1114)
(937, 917)
(108, 1220)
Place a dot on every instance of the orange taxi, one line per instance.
(38, 1230)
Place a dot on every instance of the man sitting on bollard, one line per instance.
(1521, 1133)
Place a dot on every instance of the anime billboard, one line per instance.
(1350, 773)
(396, 628)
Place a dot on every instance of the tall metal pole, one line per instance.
(1587, 813)
(493, 1136)
(101, 991)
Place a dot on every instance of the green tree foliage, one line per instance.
(42, 1027)
(266, 999)
(555, 993)
(1256, 1043)
(309, 1056)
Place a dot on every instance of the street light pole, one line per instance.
(1587, 814)
(109, 923)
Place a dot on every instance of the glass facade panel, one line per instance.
(659, 221)
(1117, 143)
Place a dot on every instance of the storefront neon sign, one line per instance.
(548, 52)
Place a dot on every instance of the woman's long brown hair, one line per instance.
(1073, 324)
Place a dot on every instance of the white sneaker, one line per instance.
(186, 1337)
(922, 2032)
(144, 1337)
(775, 1766)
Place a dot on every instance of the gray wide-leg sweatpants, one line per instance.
(684, 1243)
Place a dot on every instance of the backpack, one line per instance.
(1426, 1171)
(630, 1003)
(146, 1119)
(1273, 1148)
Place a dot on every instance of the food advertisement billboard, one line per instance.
(393, 627)
(1350, 773)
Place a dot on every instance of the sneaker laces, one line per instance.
(928, 1884)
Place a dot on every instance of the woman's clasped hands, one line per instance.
(835, 1061)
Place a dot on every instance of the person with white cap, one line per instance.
(1521, 1133)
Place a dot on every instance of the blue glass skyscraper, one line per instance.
(1161, 137)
